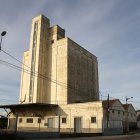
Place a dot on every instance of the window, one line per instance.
(93, 119)
(45, 124)
(118, 111)
(52, 41)
(113, 111)
(29, 120)
(20, 120)
(64, 120)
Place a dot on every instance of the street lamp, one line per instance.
(2, 34)
(128, 99)
(127, 122)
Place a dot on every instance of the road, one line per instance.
(120, 137)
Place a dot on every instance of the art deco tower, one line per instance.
(56, 70)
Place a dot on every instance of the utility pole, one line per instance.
(127, 114)
(16, 125)
(59, 123)
(108, 111)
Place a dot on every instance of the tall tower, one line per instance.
(33, 86)
(56, 70)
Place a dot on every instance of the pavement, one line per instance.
(130, 136)
(135, 135)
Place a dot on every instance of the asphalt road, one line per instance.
(120, 137)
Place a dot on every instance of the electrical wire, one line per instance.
(39, 76)
(28, 66)
(36, 74)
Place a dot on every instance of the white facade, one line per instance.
(78, 118)
(116, 114)
(130, 116)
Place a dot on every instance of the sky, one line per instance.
(110, 29)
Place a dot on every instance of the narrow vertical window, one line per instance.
(33, 61)
(20, 120)
(93, 119)
(64, 120)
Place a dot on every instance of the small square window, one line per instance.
(45, 124)
(29, 120)
(20, 120)
(52, 41)
(64, 120)
(93, 119)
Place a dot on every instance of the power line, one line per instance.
(13, 57)
(27, 66)
(121, 99)
(25, 70)
(36, 74)
(39, 76)
(29, 72)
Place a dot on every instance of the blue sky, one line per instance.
(110, 29)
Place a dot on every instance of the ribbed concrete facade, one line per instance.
(57, 70)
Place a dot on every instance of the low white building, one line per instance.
(130, 116)
(72, 118)
(100, 117)
(113, 112)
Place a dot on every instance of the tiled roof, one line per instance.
(125, 106)
(111, 102)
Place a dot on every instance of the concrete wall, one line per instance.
(82, 74)
(35, 63)
(116, 115)
(84, 111)
(131, 114)
(25, 75)
(58, 92)
(119, 117)
(58, 68)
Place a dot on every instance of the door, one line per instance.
(77, 125)
(50, 122)
(12, 123)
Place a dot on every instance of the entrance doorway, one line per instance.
(77, 124)
(12, 124)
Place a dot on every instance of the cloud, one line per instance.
(109, 29)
